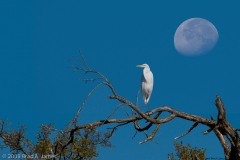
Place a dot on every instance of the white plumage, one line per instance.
(146, 82)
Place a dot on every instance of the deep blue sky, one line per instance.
(37, 38)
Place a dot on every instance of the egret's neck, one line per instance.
(146, 70)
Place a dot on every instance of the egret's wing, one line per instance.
(149, 85)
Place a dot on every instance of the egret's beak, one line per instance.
(140, 66)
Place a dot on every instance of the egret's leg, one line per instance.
(146, 105)
(137, 97)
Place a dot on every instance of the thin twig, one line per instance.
(137, 97)
(210, 130)
(84, 62)
(125, 111)
(85, 100)
(87, 67)
(134, 135)
(88, 79)
(115, 128)
(113, 111)
(189, 130)
(152, 135)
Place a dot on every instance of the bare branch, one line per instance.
(115, 128)
(208, 131)
(125, 111)
(196, 157)
(220, 107)
(166, 109)
(230, 140)
(120, 105)
(221, 128)
(189, 130)
(211, 129)
(152, 135)
(134, 135)
(88, 80)
(87, 70)
(69, 142)
(72, 132)
(77, 68)
(85, 100)
(138, 128)
(83, 60)
(223, 143)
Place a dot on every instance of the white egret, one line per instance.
(147, 82)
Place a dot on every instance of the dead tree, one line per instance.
(222, 128)
(67, 141)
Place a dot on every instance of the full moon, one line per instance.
(195, 36)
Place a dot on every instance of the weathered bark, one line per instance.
(224, 131)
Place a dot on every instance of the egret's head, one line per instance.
(142, 65)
